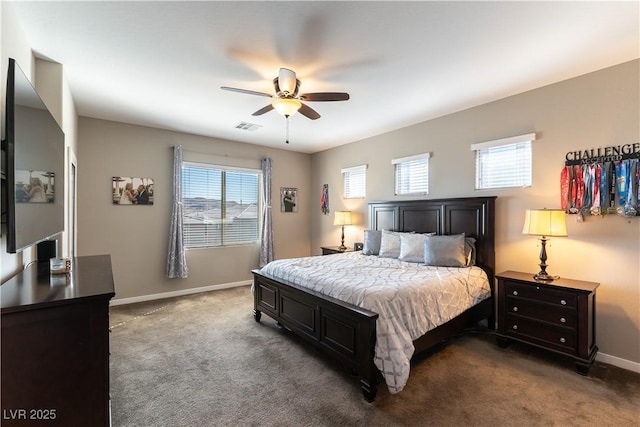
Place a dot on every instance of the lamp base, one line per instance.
(342, 247)
(546, 277)
(542, 274)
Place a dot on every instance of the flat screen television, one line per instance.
(33, 205)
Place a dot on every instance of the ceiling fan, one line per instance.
(286, 99)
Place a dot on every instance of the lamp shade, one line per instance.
(286, 106)
(342, 218)
(545, 222)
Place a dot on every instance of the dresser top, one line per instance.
(90, 277)
(579, 285)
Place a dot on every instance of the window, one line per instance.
(220, 205)
(504, 163)
(355, 182)
(412, 174)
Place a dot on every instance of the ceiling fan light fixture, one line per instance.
(287, 81)
(286, 106)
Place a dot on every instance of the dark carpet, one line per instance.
(202, 360)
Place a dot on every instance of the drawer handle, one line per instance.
(563, 302)
(563, 320)
(515, 327)
(515, 293)
(515, 308)
(562, 340)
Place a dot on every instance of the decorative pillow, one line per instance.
(412, 247)
(445, 251)
(372, 242)
(390, 244)
(470, 251)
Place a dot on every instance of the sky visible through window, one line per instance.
(241, 187)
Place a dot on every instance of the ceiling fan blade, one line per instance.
(287, 80)
(248, 92)
(263, 110)
(309, 112)
(325, 96)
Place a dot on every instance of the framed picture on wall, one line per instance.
(288, 199)
(132, 191)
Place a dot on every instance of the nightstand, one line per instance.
(558, 316)
(328, 250)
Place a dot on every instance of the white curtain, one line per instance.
(266, 247)
(176, 260)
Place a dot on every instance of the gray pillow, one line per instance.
(371, 242)
(412, 247)
(445, 251)
(470, 251)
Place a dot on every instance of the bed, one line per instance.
(348, 332)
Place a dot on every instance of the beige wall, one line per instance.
(595, 110)
(137, 236)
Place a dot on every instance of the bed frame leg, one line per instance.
(369, 379)
(369, 390)
(257, 314)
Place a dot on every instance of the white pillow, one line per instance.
(390, 244)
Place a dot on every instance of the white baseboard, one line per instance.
(182, 292)
(619, 362)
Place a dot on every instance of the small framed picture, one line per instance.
(288, 199)
(132, 191)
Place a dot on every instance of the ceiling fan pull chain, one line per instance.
(287, 120)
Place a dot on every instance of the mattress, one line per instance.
(410, 298)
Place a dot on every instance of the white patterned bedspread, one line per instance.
(409, 298)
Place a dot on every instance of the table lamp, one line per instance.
(342, 218)
(545, 223)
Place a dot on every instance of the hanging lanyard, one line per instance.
(595, 170)
(630, 204)
(565, 188)
(579, 187)
(622, 185)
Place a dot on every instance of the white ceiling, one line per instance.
(161, 64)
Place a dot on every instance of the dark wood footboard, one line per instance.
(344, 331)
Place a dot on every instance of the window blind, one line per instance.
(220, 205)
(355, 182)
(504, 163)
(412, 174)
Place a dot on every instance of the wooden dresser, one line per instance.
(559, 316)
(55, 345)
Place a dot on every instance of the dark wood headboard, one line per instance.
(473, 216)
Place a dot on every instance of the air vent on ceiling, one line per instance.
(248, 126)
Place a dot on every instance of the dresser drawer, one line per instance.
(542, 293)
(559, 338)
(558, 315)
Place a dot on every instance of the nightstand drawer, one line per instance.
(558, 315)
(541, 293)
(562, 339)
